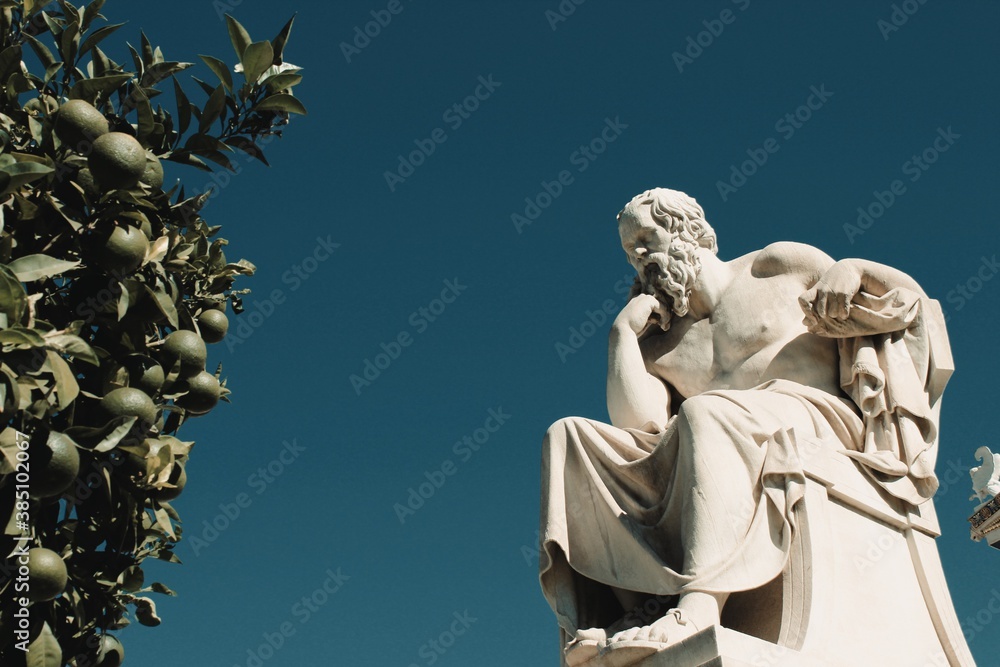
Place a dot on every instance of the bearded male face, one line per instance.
(661, 231)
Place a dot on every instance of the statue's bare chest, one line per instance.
(754, 322)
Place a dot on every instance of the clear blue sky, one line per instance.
(463, 561)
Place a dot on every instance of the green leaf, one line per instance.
(280, 82)
(210, 148)
(23, 173)
(238, 36)
(44, 651)
(165, 305)
(281, 102)
(183, 109)
(136, 60)
(132, 579)
(213, 109)
(67, 388)
(91, 89)
(282, 40)
(10, 61)
(157, 587)
(13, 300)
(94, 38)
(102, 64)
(248, 147)
(42, 51)
(116, 431)
(32, 6)
(21, 337)
(69, 42)
(147, 49)
(55, 25)
(52, 72)
(256, 60)
(159, 71)
(39, 267)
(220, 69)
(185, 157)
(74, 346)
(92, 11)
(145, 114)
(204, 86)
(69, 11)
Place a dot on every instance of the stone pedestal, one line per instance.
(720, 647)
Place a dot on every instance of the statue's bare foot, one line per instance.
(585, 645)
(628, 645)
(674, 627)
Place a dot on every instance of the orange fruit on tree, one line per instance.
(152, 174)
(189, 348)
(203, 394)
(117, 161)
(178, 477)
(79, 123)
(213, 325)
(86, 180)
(144, 374)
(55, 464)
(122, 251)
(110, 652)
(129, 402)
(47, 574)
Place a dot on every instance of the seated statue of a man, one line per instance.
(716, 370)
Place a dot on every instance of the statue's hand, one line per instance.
(639, 313)
(830, 298)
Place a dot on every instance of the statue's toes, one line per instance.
(658, 633)
(590, 635)
(626, 635)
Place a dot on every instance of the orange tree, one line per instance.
(110, 288)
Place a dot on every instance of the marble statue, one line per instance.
(985, 478)
(721, 375)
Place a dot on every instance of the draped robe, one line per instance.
(708, 503)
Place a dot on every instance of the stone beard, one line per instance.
(670, 277)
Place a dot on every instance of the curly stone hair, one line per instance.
(673, 274)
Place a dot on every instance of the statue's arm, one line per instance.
(832, 294)
(635, 397)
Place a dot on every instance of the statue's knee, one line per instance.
(560, 432)
(698, 411)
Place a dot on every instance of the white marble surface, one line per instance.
(734, 457)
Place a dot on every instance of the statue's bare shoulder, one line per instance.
(790, 258)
